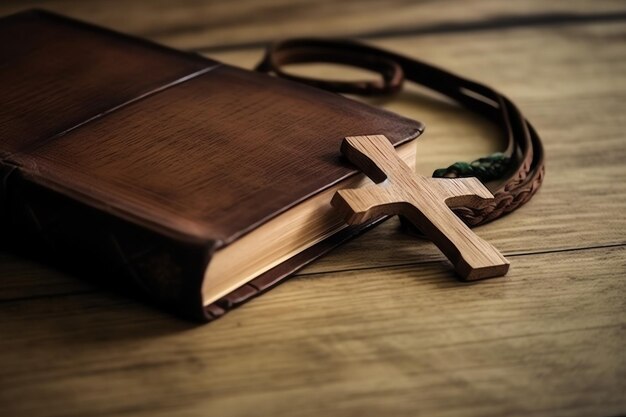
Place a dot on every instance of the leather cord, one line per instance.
(518, 170)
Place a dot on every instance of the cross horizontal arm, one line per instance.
(362, 204)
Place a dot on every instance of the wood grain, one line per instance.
(379, 327)
(546, 340)
(423, 201)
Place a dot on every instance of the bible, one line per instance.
(195, 183)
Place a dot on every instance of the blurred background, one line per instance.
(221, 25)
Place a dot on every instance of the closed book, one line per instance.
(192, 182)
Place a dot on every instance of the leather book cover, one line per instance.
(134, 163)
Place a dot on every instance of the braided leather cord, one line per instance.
(513, 176)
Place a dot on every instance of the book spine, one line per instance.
(48, 226)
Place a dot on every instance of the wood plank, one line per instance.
(26, 278)
(194, 24)
(395, 341)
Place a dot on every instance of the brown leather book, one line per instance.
(194, 182)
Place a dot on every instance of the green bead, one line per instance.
(488, 168)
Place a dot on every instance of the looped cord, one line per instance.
(513, 176)
(299, 51)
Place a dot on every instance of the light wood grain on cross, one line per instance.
(423, 201)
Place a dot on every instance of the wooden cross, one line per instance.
(424, 201)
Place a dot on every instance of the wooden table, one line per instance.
(379, 327)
